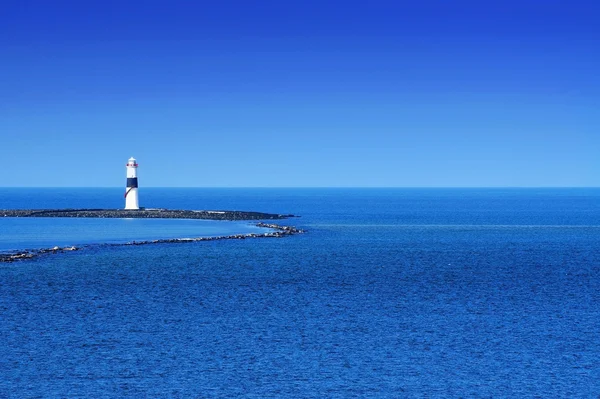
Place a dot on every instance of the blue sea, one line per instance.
(392, 293)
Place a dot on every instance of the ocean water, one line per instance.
(392, 293)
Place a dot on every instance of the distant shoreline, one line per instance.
(148, 213)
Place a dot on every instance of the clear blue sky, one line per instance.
(300, 93)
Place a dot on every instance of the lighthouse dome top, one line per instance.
(132, 159)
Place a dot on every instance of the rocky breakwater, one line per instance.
(155, 213)
(277, 231)
(32, 253)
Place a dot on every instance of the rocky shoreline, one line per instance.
(149, 213)
(280, 231)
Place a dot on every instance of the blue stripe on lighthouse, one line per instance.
(132, 182)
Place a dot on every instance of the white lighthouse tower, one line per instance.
(131, 195)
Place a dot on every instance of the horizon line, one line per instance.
(306, 187)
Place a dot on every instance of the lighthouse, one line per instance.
(131, 195)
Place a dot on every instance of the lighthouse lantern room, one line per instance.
(131, 195)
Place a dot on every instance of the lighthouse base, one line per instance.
(131, 199)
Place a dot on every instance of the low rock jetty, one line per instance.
(277, 232)
(32, 253)
(154, 213)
